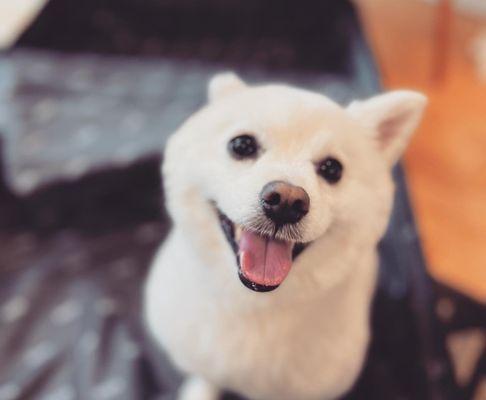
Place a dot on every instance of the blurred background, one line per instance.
(439, 47)
(89, 92)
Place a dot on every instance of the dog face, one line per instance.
(262, 174)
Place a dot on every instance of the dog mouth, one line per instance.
(263, 261)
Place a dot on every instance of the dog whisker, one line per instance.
(264, 227)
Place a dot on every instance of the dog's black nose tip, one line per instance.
(284, 203)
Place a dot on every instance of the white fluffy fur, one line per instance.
(308, 338)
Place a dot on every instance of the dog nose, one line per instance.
(284, 203)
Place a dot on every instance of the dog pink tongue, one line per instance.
(264, 261)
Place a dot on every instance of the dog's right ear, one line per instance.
(224, 84)
(392, 117)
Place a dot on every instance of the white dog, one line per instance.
(279, 197)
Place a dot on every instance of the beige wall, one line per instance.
(15, 16)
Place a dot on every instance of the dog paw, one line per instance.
(196, 388)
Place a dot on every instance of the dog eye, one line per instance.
(330, 169)
(243, 146)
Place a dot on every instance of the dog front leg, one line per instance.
(197, 388)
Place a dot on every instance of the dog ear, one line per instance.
(392, 118)
(224, 84)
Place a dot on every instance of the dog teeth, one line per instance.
(238, 232)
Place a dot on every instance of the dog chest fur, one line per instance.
(304, 350)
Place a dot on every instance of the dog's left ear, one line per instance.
(224, 84)
(392, 118)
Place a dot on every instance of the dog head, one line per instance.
(265, 173)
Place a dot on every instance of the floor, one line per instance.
(446, 162)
